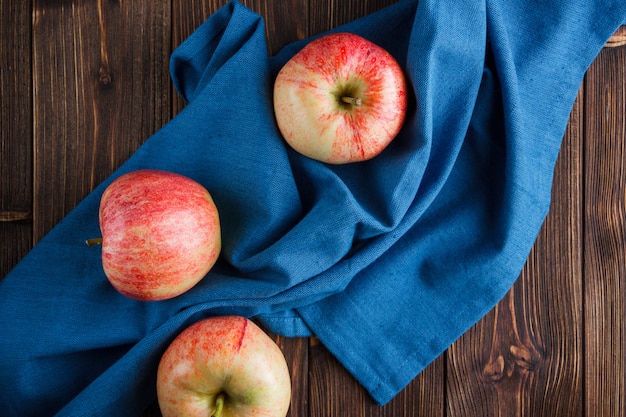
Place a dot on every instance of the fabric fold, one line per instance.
(461, 255)
(387, 262)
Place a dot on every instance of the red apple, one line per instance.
(160, 234)
(223, 367)
(340, 99)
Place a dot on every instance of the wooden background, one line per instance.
(84, 83)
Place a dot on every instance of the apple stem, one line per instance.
(219, 403)
(94, 241)
(355, 101)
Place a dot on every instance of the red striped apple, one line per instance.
(340, 99)
(223, 367)
(160, 234)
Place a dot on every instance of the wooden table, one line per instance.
(84, 83)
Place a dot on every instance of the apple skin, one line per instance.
(160, 234)
(228, 357)
(312, 90)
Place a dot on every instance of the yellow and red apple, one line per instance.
(223, 367)
(160, 234)
(340, 99)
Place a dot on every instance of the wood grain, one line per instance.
(334, 392)
(296, 353)
(16, 133)
(325, 15)
(605, 237)
(101, 88)
(618, 38)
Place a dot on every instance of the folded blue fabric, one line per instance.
(386, 261)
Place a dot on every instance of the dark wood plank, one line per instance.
(325, 15)
(296, 353)
(99, 76)
(605, 237)
(525, 357)
(16, 133)
(334, 392)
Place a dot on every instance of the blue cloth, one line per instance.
(386, 261)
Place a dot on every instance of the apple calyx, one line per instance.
(350, 94)
(219, 404)
(354, 101)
